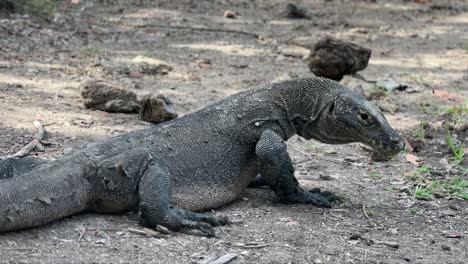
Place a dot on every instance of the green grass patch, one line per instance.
(375, 174)
(420, 79)
(419, 173)
(370, 212)
(35, 7)
(458, 113)
(423, 169)
(148, 54)
(465, 46)
(413, 211)
(453, 187)
(313, 147)
(424, 192)
(420, 132)
(91, 52)
(458, 151)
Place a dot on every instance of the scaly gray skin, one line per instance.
(197, 162)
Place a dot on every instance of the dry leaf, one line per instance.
(409, 148)
(412, 159)
(292, 223)
(445, 95)
(136, 74)
(205, 65)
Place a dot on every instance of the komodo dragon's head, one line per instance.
(349, 117)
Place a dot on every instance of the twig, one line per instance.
(391, 244)
(49, 124)
(202, 29)
(360, 77)
(224, 259)
(253, 246)
(364, 211)
(35, 143)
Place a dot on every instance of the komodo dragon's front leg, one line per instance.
(277, 170)
(156, 209)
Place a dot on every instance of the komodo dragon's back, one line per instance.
(200, 161)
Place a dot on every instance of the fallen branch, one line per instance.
(35, 143)
(201, 29)
(362, 78)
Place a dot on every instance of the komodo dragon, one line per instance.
(200, 161)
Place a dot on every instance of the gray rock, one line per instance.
(103, 96)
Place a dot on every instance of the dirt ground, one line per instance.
(381, 220)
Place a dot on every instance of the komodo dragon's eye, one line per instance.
(365, 118)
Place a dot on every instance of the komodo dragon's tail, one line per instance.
(41, 196)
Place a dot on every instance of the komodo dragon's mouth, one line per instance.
(385, 148)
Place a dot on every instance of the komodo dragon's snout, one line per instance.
(351, 118)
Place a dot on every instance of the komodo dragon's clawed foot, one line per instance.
(202, 222)
(329, 196)
(314, 197)
(185, 221)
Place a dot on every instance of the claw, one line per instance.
(319, 200)
(314, 197)
(205, 228)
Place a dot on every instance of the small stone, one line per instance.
(452, 234)
(416, 143)
(229, 14)
(100, 242)
(445, 247)
(150, 66)
(331, 151)
(293, 11)
(332, 58)
(205, 63)
(156, 109)
(295, 51)
(103, 96)
(447, 213)
(405, 189)
(391, 85)
(326, 177)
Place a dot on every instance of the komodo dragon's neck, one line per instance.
(298, 98)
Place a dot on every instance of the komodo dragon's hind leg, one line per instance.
(12, 167)
(156, 209)
(277, 170)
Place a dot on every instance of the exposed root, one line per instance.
(36, 143)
